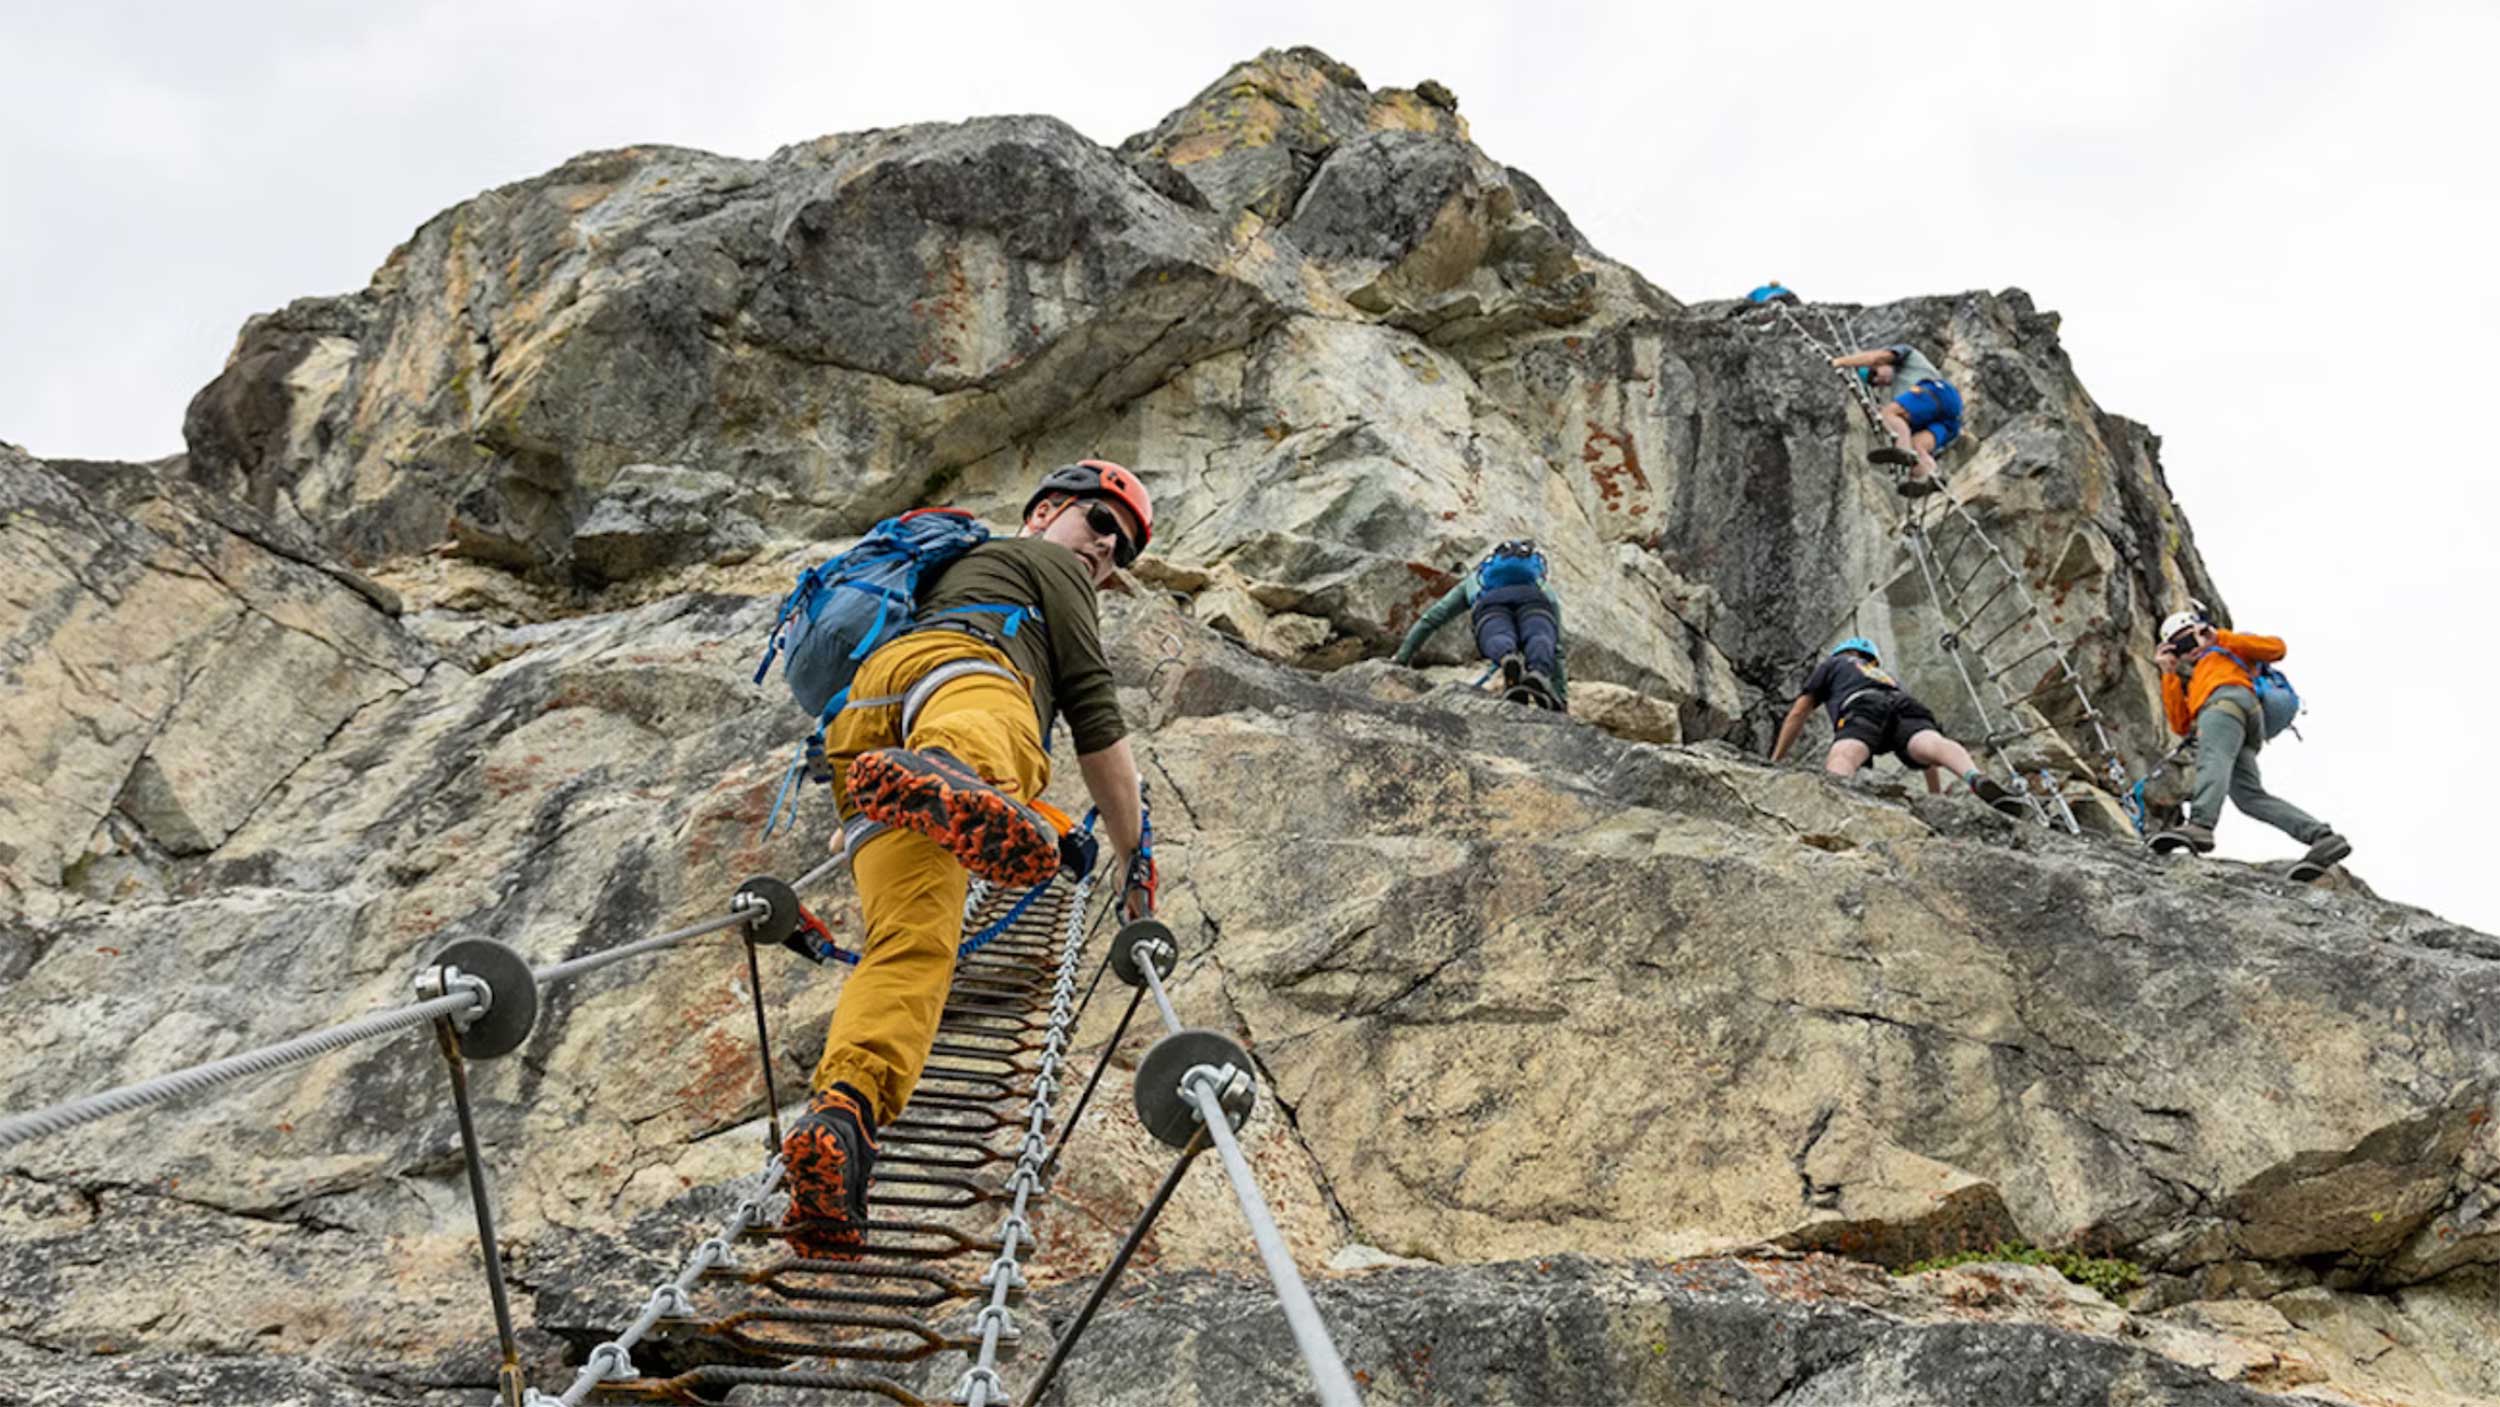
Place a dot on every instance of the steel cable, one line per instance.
(198, 1079)
(592, 962)
(18, 1128)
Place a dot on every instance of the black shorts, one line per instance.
(1885, 720)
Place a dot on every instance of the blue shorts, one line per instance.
(1934, 407)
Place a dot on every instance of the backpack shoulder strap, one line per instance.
(2254, 672)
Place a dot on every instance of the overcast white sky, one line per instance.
(2270, 228)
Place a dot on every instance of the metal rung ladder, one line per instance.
(759, 1317)
(1939, 546)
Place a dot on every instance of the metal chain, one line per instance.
(981, 1386)
(614, 1359)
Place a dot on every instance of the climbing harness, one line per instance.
(1988, 609)
(743, 1310)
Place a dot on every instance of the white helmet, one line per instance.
(2181, 620)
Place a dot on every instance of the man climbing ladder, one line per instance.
(1517, 621)
(1923, 416)
(1871, 714)
(935, 758)
(2209, 688)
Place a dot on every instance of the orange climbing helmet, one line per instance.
(1100, 478)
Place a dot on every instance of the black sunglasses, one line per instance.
(2183, 642)
(1101, 519)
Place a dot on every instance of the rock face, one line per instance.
(443, 627)
(1345, 348)
(172, 660)
(1523, 1334)
(1638, 997)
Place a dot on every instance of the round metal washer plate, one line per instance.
(783, 918)
(1160, 1105)
(1124, 946)
(506, 1023)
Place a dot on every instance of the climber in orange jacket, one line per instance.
(2206, 689)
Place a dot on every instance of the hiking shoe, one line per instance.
(1893, 455)
(1911, 487)
(826, 1159)
(2330, 849)
(2188, 837)
(1990, 790)
(1542, 690)
(1514, 669)
(931, 791)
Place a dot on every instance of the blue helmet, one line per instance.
(1860, 644)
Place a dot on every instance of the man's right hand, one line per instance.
(1137, 895)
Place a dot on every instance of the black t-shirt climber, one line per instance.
(1840, 676)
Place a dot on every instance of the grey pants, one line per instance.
(2226, 762)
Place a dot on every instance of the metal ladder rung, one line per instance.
(2000, 740)
(2017, 662)
(1970, 619)
(2047, 690)
(2029, 614)
(1986, 559)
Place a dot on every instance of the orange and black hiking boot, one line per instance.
(825, 1162)
(931, 791)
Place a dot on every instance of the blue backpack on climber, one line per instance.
(845, 606)
(1514, 563)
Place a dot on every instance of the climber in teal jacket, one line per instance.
(1517, 621)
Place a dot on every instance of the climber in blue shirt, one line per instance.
(1518, 623)
(1922, 415)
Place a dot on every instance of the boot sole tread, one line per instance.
(989, 832)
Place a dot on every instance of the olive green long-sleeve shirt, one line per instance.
(1059, 647)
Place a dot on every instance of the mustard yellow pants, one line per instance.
(911, 891)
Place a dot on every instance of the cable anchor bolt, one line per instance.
(501, 980)
(609, 1360)
(983, 1377)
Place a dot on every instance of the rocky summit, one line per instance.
(1599, 1060)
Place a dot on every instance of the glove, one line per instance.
(812, 940)
(1078, 852)
(1137, 896)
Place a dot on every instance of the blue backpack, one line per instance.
(1510, 569)
(2277, 700)
(844, 607)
